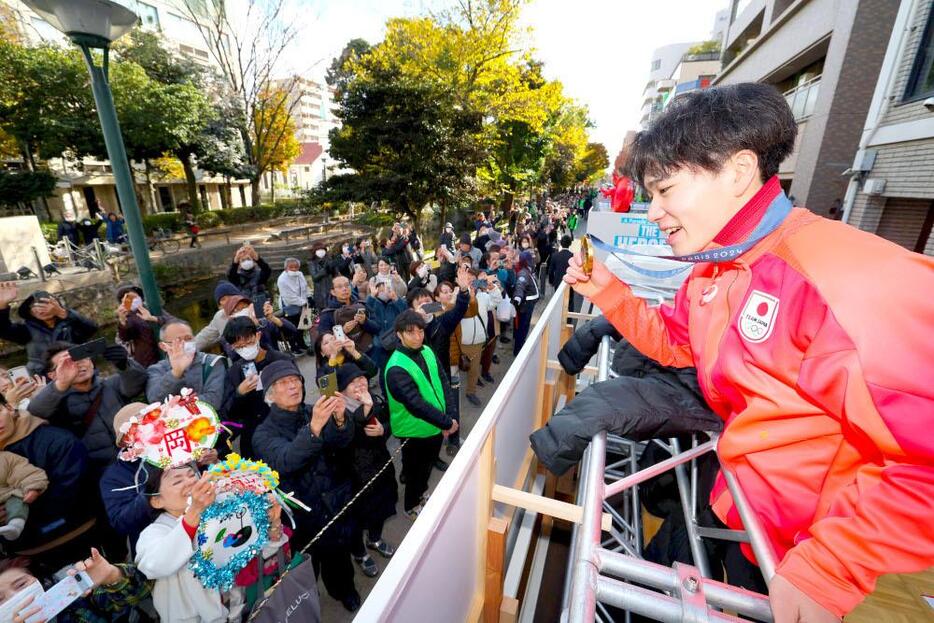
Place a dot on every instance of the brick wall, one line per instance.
(899, 112)
(908, 169)
(902, 219)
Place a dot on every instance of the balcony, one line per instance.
(664, 86)
(803, 98)
(693, 85)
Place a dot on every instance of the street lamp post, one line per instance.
(94, 24)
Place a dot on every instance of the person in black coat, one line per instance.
(320, 273)
(303, 444)
(68, 229)
(558, 262)
(368, 456)
(45, 320)
(249, 272)
(64, 460)
(244, 402)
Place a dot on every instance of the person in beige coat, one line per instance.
(21, 483)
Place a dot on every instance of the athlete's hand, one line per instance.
(584, 284)
(791, 605)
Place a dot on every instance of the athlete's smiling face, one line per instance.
(692, 205)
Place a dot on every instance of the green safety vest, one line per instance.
(403, 423)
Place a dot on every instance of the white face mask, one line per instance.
(249, 353)
(247, 264)
(293, 273)
(246, 312)
(320, 253)
(190, 347)
(383, 296)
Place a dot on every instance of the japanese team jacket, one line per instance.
(816, 347)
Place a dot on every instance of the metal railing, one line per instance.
(803, 98)
(612, 571)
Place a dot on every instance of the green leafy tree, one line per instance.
(21, 188)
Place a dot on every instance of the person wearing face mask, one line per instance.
(320, 274)
(68, 228)
(293, 297)
(524, 298)
(365, 257)
(135, 326)
(118, 588)
(447, 238)
(421, 277)
(332, 354)
(184, 366)
(244, 403)
(45, 320)
(272, 329)
(249, 272)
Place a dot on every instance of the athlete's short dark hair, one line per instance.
(702, 129)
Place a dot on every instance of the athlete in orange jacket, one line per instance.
(812, 340)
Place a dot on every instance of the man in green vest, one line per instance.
(421, 406)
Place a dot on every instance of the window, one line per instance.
(921, 82)
(148, 15)
(656, 64)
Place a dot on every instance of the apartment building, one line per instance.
(891, 191)
(89, 188)
(825, 55)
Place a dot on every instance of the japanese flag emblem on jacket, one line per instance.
(757, 319)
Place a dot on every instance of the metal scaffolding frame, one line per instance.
(611, 570)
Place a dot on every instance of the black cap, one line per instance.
(346, 374)
(224, 288)
(278, 370)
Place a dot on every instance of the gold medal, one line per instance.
(587, 255)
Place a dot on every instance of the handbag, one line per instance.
(505, 310)
(294, 599)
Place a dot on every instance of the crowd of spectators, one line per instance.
(393, 335)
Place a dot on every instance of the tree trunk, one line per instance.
(154, 201)
(443, 217)
(228, 196)
(191, 182)
(31, 166)
(254, 190)
(242, 195)
(506, 204)
(272, 188)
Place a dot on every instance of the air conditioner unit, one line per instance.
(874, 186)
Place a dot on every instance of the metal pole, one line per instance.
(583, 595)
(761, 546)
(123, 177)
(698, 553)
(659, 468)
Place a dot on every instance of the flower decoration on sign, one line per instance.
(232, 532)
(171, 433)
(238, 474)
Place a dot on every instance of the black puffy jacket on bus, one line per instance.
(646, 401)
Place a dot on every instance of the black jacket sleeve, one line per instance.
(232, 275)
(451, 319)
(264, 271)
(82, 328)
(584, 344)
(404, 389)
(15, 332)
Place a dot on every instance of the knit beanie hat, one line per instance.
(224, 288)
(346, 374)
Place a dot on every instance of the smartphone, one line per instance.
(128, 302)
(19, 374)
(60, 596)
(372, 421)
(258, 302)
(479, 284)
(328, 384)
(88, 350)
(41, 295)
(339, 332)
(432, 308)
(248, 369)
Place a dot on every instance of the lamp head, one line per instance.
(95, 23)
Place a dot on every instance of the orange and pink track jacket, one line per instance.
(816, 347)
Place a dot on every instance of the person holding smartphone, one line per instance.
(117, 589)
(244, 402)
(370, 417)
(45, 320)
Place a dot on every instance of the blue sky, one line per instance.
(599, 49)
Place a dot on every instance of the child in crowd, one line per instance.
(164, 548)
(21, 483)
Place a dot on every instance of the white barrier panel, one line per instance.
(437, 573)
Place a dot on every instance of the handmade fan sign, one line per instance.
(174, 432)
(235, 528)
